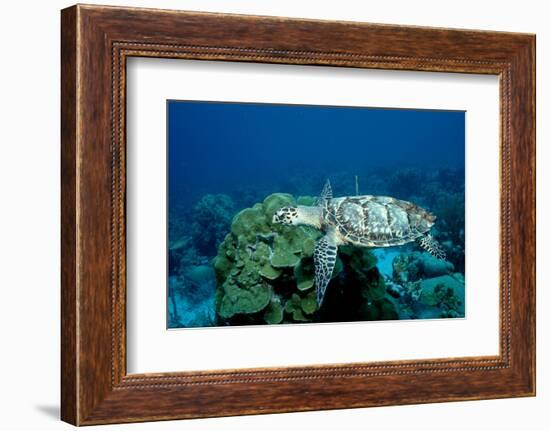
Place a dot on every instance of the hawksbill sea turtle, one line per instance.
(362, 221)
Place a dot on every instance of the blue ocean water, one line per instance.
(225, 157)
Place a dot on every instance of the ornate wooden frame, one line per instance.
(95, 43)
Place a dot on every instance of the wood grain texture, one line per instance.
(96, 41)
(69, 397)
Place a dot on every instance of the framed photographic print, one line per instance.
(272, 206)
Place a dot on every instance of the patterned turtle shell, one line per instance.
(376, 221)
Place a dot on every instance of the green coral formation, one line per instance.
(445, 292)
(239, 300)
(293, 307)
(274, 312)
(304, 273)
(265, 273)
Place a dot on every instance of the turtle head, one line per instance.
(286, 215)
(300, 215)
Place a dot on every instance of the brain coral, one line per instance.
(265, 273)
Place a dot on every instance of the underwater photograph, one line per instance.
(285, 214)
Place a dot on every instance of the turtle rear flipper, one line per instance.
(428, 243)
(324, 258)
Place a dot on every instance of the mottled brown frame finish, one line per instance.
(95, 42)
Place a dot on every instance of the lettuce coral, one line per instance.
(274, 312)
(239, 300)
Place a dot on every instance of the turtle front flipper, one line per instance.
(325, 194)
(324, 258)
(428, 243)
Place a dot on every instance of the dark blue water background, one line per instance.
(227, 147)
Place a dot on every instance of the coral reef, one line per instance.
(405, 183)
(265, 273)
(191, 298)
(211, 217)
(450, 211)
(182, 254)
(195, 234)
(412, 266)
(425, 287)
(445, 292)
